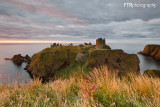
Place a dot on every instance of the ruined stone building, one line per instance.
(100, 43)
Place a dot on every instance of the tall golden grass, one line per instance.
(138, 88)
(99, 87)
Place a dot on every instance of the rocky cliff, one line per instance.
(151, 50)
(152, 73)
(51, 61)
(115, 60)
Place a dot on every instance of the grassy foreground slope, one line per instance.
(102, 88)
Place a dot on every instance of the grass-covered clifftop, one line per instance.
(100, 89)
(46, 62)
(114, 59)
(151, 50)
(58, 61)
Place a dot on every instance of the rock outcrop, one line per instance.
(19, 59)
(81, 57)
(151, 50)
(115, 60)
(152, 73)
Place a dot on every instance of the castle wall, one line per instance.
(100, 43)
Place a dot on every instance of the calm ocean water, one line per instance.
(11, 72)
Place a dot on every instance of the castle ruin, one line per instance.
(100, 43)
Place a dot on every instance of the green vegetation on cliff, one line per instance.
(106, 47)
(57, 61)
(63, 61)
(86, 49)
(114, 59)
(50, 60)
(69, 71)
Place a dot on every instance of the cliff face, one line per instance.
(115, 60)
(50, 60)
(151, 50)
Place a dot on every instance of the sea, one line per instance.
(9, 72)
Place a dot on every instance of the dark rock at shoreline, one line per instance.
(19, 59)
(152, 73)
(27, 59)
(26, 68)
(152, 51)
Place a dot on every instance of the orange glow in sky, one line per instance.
(32, 41)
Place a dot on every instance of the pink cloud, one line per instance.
(14, 19)
(47, 8)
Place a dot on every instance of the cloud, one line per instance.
(78, 20)
(44, 7)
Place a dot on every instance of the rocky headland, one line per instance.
(152, 51)
(50, 61)
(59, 60)
(114, 60)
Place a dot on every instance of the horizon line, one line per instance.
(32, 41)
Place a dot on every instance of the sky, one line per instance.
(78, 21)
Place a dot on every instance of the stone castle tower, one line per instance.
(100, 43)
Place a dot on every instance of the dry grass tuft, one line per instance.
(101, 87)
